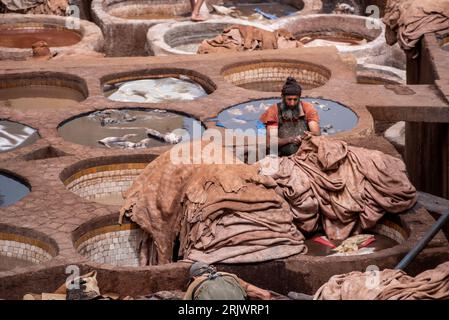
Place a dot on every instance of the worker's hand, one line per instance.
(296, 140)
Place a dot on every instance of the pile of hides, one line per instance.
(238, 214)
(222, 213)
(248, 38)
(55, 7)
(341, 188)
(392, 285)
(408, 20)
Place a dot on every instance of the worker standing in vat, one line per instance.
(208, 284)
(196, 6)
(290, 119)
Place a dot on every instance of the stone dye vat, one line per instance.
(148, 10)
(155, 90)
(24, 37)
(387, 234)
(334, 117)
(37, 91)
(12, 189)
(22, 248)
(111, 244)
(269, 76)
(361, 36)
(125, 23)
(185, 37)
(62, 34)
(130, 128)
(104, 179)
(14, 135)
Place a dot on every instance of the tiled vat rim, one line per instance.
(25, 248)
(391, 230)
(96, 172)
(113, 244)
(276, 71)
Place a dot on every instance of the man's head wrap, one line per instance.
(291, 87)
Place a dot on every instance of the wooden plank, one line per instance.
(433, 203)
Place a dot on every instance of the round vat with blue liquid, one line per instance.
(334, 117)
(12, 189)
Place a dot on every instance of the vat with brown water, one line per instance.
(23, 38)
(332, 38)
(127, 128)
(40, 97)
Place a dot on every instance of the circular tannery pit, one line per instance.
(157, 85)
(12, 188)
(23, 247)
(269, 76)
(14, 135)
(361, 36)
(334, 117)
(104, 179)
(130, 128)
(18, 32)
(41, 91)
(107, 242)
(125, 23)
(185, 37)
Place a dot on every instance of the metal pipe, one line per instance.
(422, 243)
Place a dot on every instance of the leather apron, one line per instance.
(291, 123)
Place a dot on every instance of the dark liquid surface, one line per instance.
(14, 135)
(24, 38)
(11, 190)
(40, 97)
(87, 131)
(246, 115)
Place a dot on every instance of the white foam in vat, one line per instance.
(158, 90)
